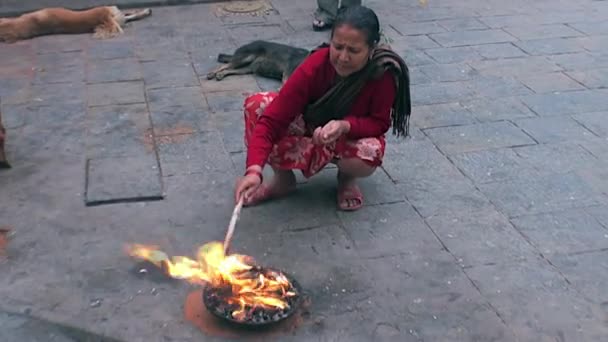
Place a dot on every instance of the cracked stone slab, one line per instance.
(477, 37)
(113, 70)
(477, 137)
(493, 165)
(516, 291)
(554, 129)
(445, 114)
(571, 102)
(551, 82)
(550, 46)
(231, 126)
(122, 179)
(506, 108)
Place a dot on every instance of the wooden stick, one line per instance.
(235, 216)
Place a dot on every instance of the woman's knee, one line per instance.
(258, 100)
(356, 167)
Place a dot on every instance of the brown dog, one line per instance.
(104, 22)
(3, 162)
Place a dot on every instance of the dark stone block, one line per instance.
(231, 126)
(123, 179)
(227, 101)
(115, 93)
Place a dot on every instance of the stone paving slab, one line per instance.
(494, 206)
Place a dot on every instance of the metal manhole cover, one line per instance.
(253, 7)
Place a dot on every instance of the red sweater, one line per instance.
(369, 116)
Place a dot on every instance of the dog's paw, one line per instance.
(210, 75)
(220, 76)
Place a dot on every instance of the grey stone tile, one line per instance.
(552, 82)
(549, 193)
(597, 44)
(191, 153)
(65, 92)
(493, 165)
(515, 66)
(481, 238)
(596, 146)
(246, 83)
(499, 50)
(591, 78)
(59, 43)
(448, 72)
(418, 163)
(122, 179)
(565, 232)
(54, 115)
(412, 29)
(550, 46)
(113, 70)
(418, 77)
(591, 28)
(454, 54)
(562, 156)
(595, 122)
(516, 290)
(425, 298)
(269, 84)
(37, 143)
(426, 94)
(478, 137)
(232, 128)
(115, 93)
(462, 24)
(59, 74)
(529, 32)
(571, 102)
(244, 34)
(414, 57)
(489, 109)
(119, 131)
(464, 38)
(587, 273)
(16, 115)
(413, 42)
(500, 21)
(226, 101)
(59, 59)
(580, 61)
(496, 87)
(167, 74)
(109, 49)
(388, 229)
(448, 114)
(554, 129)
(178, 110)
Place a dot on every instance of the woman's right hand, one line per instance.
(246, 186)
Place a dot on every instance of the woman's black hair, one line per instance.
(361, 18)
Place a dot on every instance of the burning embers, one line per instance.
(236, 289)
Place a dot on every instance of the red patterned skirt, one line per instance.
(295, 150)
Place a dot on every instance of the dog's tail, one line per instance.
(224, 58)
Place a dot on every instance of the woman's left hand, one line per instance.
(331, 132)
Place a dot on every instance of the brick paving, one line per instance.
(489, 224)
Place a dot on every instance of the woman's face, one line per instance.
(348, 52)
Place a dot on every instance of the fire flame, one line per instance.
(248, 290)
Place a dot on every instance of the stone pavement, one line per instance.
(488, 225)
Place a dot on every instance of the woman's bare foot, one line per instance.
(282, 183)
(350, 197)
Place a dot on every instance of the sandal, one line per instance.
(347, 195)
